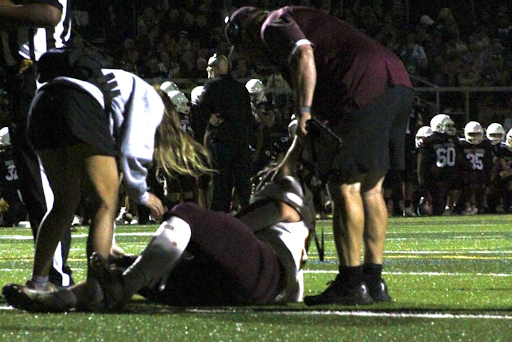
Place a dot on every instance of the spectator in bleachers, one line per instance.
(172, 22)
(183, 44)
(468, 75)
(413, 56)
(187, 13)
(153, 69)
(240, 69)
(199, 70)
(146, 21)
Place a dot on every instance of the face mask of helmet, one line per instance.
(180, 101)
(257, 90)
(495, 133)
(473, 133)
(442, 123)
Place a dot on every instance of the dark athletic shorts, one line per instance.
(373, 137)
(61, 116)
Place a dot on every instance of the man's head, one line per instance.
(243, 30)
(217, 65)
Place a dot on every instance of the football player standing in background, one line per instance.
(477, 177)
(28, 29)
(361, 90)
(439, 158)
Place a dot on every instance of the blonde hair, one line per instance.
(175, 151)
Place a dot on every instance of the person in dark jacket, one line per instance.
(228, 105)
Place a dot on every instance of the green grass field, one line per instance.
(450, 278)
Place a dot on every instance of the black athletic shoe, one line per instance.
(53, 300)
(337, 293)
(111, 283)
(379, 291)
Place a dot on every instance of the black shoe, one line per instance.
(111, 283)
(52, 300)
(379, 291)
(337, 293)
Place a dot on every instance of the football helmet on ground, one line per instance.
(180, 101)
(474, 133)
(442, 123)
(495, 133)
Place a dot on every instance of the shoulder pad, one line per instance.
(290, 191)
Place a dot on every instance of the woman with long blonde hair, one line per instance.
(81, 146)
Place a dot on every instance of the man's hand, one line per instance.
(155, 205)
(304, 117)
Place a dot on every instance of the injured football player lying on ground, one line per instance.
(201, 257)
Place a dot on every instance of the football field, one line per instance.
(450, 278)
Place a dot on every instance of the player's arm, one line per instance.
(303, 70)
(28, 15)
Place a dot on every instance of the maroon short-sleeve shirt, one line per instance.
(351, 67)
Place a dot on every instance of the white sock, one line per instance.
(159, 257)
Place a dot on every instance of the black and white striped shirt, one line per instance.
(31, 43)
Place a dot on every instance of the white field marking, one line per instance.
(458, 237)
(336, 272)
(424, 273)
(306, 312)
(437, 315)
(27, 237)
(449, 252)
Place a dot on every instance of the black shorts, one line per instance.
(373, 137)
(62, 116)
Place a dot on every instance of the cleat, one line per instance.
(379, 291)
(337, 293)
(111, 283)
(53, 300)
(408, 213)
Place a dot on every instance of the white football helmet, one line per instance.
(196, 94)
(256, 88)
(442, 123)
(508, 140)
(495, 133)
(422, 133)
(474, 133)
(168, 86)
(5, 138)
(180, 101)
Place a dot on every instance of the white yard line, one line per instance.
(306, 312)
(421, 273)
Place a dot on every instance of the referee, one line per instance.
(27, 30)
